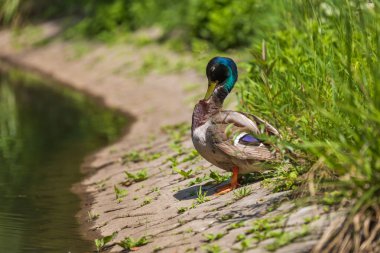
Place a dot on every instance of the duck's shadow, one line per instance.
(192, 192)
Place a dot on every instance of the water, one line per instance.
(45, 133)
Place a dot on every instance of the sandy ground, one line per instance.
(164, 207)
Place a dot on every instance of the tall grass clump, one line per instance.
(318, 80)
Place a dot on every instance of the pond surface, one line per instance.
(45, 133)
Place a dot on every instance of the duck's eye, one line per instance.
(218, 73)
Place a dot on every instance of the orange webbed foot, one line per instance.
(232, 186)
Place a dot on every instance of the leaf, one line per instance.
(101, 242)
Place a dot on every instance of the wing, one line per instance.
(238, 135)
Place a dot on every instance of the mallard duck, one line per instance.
(228, 139)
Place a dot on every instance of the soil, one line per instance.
(164, 207)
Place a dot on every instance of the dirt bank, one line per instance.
(176, 213)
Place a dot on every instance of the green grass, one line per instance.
(236, 225)
(182, 209)
(201, 197)
(102, 242)
(286, 238)
(213, 237)
(198, 180)
(139, 156)
(120, 193)
(130, 243)
(242, 192)
(212, 248)
(318, 80)
(185, 174)
(139, 176)
(192, 156)
(219, 178)
(146, 201)
(284, 178)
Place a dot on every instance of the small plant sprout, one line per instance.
(225, 217)
(185, 174)
(213, 237)
(92, 216)
(132, 156)
(219, 178)
(182, 209)
(201, 196)
(308, 220)
(102, 242)
(132, 244)
(136, 157)
(212, 248)
(120, 193)
(245, 243)
(139, 176)
(287, 238)
(198, 180)
(242, 192)
(236, 225)
(191, 156)
(146, 201)
(240, 237)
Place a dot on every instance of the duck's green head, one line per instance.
(221, 72)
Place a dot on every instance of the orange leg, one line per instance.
(233, 185)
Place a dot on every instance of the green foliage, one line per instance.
(332, 198)
(102, 242)
(317, 79)
(182, 209)
(284, 178)
(242, 192)
(225, 217)
(176, 133)
(286, 238)
(129, 243)
(212, 248)
(120, 193)
(8, 10)
(198, 180)
(230, 23)
(185, 174)
(18, 11)
(146, 201)
(138, 156)
(240, 237)
(193, 155)
(236, 225)
(201, 196)
(224, 24)
(139, 176)
(261, 227)
(133, 156)
(308, 220)
(219, 178)
(213, 237)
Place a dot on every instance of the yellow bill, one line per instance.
(210, 90)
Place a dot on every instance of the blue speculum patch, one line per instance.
(249, 139)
